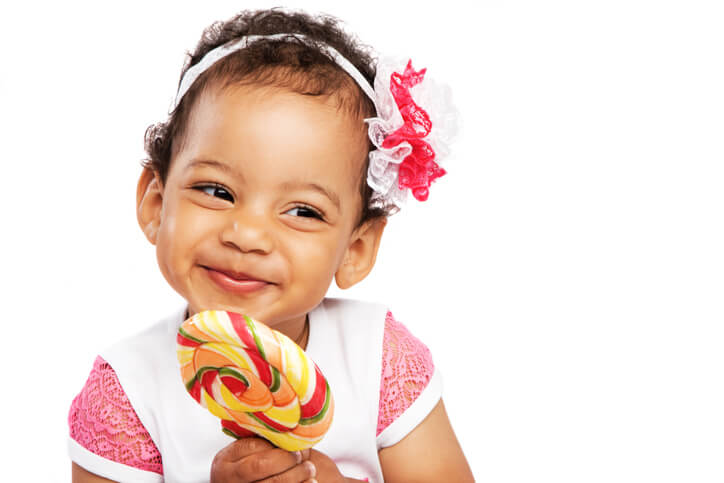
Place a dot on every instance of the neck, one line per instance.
(297, 330)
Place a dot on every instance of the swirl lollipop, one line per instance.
(257, 380)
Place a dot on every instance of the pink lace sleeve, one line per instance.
(102, 420)
(406, 369)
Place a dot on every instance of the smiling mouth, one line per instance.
(239, 283)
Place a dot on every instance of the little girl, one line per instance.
(262, 187)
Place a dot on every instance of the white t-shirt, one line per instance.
(345, 341)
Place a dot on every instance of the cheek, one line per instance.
(166, 248)
(180, 231)
(318, 260)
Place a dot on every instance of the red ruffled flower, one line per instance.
(419, 169)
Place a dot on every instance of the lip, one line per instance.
(239, 283)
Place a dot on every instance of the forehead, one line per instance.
(277, 134)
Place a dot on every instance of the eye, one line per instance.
(215, 190)
(305, 212)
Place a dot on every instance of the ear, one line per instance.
(149, 202)
(361, 253)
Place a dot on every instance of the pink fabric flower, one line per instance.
(415, 124)
(419, 169)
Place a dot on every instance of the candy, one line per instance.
(257, 380)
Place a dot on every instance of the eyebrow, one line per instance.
(333, 197)
(214, 164)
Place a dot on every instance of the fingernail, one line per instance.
(312, 469)
(311, 480)
(298, 456)
(306, 454)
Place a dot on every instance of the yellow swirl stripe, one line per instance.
(216, 326)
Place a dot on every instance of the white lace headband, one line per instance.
(408, 142)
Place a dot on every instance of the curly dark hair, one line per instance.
(288, 63)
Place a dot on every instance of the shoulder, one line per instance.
(145, 344)
(141, 360)
(350, 309)
(400, 344)
(357, 325)
(110, 427)
(145, 364)
(410, 386)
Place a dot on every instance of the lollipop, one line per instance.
(257, 380)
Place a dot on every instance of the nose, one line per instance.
(248, 232)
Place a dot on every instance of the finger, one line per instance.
(266, 464)
(243, 447)
(304, 472)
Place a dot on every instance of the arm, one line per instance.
(80, 475)
(430, 453)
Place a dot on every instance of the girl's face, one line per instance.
(261, 203)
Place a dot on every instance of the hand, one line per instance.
(255, 459)
(327, 471)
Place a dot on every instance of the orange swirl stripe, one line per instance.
(257, 380)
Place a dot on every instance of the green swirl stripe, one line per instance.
(229, 432)
(264, 424)
(276, 379)
(257, 341)
(198, 375)
(189, 336)
(321, 413)
(226, 371)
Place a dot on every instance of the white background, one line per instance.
(567, 274)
